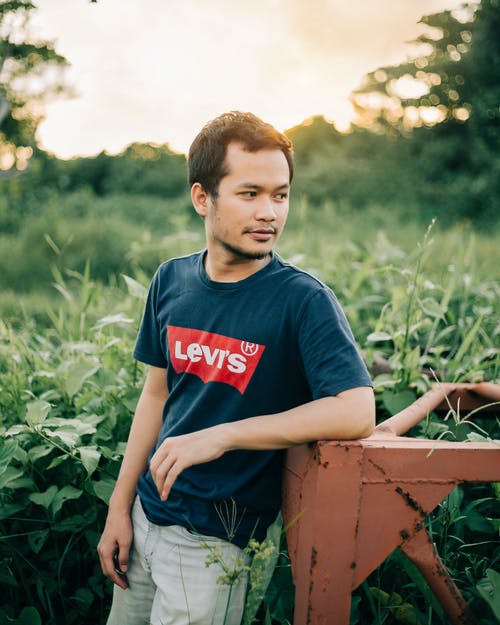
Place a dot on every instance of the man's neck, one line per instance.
(234, 270)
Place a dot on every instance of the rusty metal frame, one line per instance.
(349, 504)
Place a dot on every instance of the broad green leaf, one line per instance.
(79, 426)
(22, 481)
(136, 289)
(412, 359)
(67, 492)
(69, 437)
(9, 509)
(432, 308)
(17, 429)
(75, 522)
(39, 451)
(37, 540)
(90, 457)
(6, 577)
(76, 375)
(475, 437)
(21, 455)
(44, 499)
(395, 401)
(9, 475)
(478, 523)
(375, 337)
(496, 489)
(112, 319)
(84, 596)
(489, 589)
(37, 412)
(131, 398)
(28, 616)
(57, 461)
(262, 569)
(469, 338)
(104, 488)
(454, 500)
(7, 452)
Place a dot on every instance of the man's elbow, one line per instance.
(366, 423)
(362, 410)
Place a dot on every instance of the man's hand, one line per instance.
(114, 547)
(346, 416)
(180, 452)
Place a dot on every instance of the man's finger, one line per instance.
(161, 472)
(120, 566)
(120, 557)
(109, 567)
(172, 475)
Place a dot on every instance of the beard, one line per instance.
(242, 254)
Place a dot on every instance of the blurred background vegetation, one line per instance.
(422, 302)
(405, 161)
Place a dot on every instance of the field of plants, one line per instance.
(80, 240)
(424, 301)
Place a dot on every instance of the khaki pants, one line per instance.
(169, 583)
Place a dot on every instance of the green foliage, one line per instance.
(69, 386)
(30, 73)
(67, 396)
(264, 560)
(449, 132)
(118, 234)
(420, 309)
(489, 588)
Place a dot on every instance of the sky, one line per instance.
(157, 70)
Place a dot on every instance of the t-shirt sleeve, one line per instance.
(148, 347)
(330, 357)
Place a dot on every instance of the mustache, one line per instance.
(270, 229)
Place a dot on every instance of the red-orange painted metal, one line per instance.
(349, 504)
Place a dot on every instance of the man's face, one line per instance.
(247, 217)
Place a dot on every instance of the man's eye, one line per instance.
(248, 193)
(281, 196)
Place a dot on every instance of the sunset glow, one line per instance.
(157, 71)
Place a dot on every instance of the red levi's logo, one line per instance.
(213, 357)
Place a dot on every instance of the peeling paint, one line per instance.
(314, 559)
(377, 466)
(410, 501)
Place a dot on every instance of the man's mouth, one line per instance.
(261, 234)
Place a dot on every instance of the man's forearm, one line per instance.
(142, 438)
(349, 415)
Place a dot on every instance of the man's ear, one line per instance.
(201, 199)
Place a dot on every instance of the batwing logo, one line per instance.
(213, 357)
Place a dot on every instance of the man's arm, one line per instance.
(117, 534)
(348, 415)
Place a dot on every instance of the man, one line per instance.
(248, 356)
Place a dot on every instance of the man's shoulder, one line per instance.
(300, 278)
(179, 263)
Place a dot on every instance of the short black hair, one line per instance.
(207, 154)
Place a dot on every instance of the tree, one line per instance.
(445, 101)
(431, 87)
(30, 74)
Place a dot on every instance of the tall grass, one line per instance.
(421, 302)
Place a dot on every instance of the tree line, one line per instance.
(434, 154)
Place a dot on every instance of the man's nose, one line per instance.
(266, 210)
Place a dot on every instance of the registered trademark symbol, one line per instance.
(249, 349)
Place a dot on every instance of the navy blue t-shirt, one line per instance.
(234, 350)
